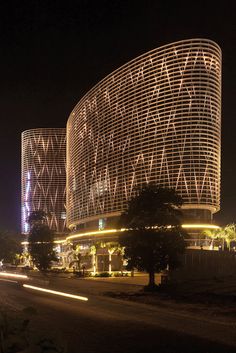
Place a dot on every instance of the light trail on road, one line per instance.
(15, 275)
(7, 280)
(141, 327)
(63, 294)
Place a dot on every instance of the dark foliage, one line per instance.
(38, 216)
(154, 238)
(41, 246)
(9, 246)
(152, 206)
(152, 250)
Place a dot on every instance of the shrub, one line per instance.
(121, 274)
(103, 274)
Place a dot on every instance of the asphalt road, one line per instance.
(107, 325)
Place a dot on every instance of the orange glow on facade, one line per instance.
(43, 176)
(155, 119)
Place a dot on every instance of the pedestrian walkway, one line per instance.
(139, 279)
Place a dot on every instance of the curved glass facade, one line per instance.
(155, 119)
(43, 175)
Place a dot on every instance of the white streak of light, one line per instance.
(8, 280)
(6, 274)
(56, 292)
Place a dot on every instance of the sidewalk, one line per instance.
(93, 285)
(139, 279)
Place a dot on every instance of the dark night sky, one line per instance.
(52, 52)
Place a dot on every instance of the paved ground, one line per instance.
(105, 325)
(125, 283)
(215, 298)
(139, 279)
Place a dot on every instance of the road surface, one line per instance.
(107, 325)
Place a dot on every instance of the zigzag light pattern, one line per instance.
(44, 175)
(155, 119)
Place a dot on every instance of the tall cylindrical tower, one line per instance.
(43, 175)
(155, 119)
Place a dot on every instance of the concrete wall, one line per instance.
(197, 264)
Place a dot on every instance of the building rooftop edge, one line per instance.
(162, 47)
(44, 129)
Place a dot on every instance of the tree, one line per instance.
(36, 217)
(214, 235)
(77, 256)
(10, 246)
(230, 234)
(41, 246)
(226, 234)
(154, 238)
(112, 247)
(93, 252)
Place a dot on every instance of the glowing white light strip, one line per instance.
(56, 292)
(204, 226)
(55, 241)
(197, 226)
(59, 241)
(95, 233)
(8, 280)
(27, 208)
(6, 274)
(108, 231)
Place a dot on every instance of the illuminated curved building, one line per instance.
(155, 119)
(43, 176)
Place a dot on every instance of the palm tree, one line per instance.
(213, 234)
(111, 248)
(230, 234)
(226, 234)
(93, 251)
(78, 255)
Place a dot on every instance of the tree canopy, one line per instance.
(229, 232)
(41, 246)
(154, 238)
(152, 206)
(38, 216)
(9, 246)
(225, 234)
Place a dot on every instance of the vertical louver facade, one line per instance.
(44, 176)
(155, 119)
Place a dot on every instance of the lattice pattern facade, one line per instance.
(155, 119)
(44, 175)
